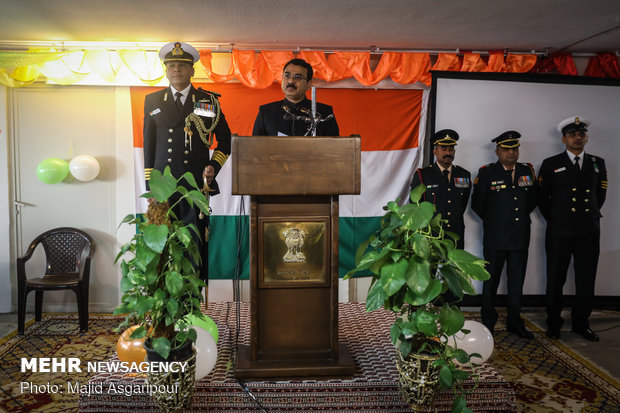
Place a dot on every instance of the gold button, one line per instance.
(449, 189)
(170, 130)
(573, 209)
(169, 160)
(587, 210)
(574, 189)
(574, 199)
(170, 140)
(513, 187)
(515, 198)
(185, 161)
(587, 191)
(449, 213)
(516, 209)
(186, 152)
(169, 150)
(448, 225)
(586, 200)
(516, 219)
(449, 201)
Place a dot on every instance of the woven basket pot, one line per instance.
(178, 386)
(418, 379)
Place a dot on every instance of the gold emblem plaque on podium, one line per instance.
(294, 183)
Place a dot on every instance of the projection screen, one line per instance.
(481, 106)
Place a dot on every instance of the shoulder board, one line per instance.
(487, 165)
(209, 92)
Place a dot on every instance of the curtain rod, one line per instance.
(10, 45)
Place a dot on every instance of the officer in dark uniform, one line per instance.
(179, 124)
(572, 191)
(292, 115)
(447, 185)
(504, 195)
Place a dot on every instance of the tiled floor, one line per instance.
(602, 354)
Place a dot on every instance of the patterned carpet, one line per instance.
(550, 378)
(544, 377)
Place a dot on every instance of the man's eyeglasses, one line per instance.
(296, 77)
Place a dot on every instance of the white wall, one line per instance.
(57, 121)
(5, 207)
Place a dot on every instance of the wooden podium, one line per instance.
(294, 183)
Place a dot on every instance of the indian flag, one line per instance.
(390, 123)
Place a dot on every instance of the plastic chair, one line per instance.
(64, 248)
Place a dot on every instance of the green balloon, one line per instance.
(206, 323)
(52, 170)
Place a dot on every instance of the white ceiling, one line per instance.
(481, 25)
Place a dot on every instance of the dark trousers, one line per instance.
(190, 215)
(515, 270)
(585, 252)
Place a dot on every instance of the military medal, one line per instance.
(525, 180)
(461, 182)
(204, 108)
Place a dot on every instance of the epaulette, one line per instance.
(487, 165)
(531, 169)
(210, 93)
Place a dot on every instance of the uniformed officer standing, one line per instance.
(179, 124)
(447, 185)
(572, 191)
(504, 195)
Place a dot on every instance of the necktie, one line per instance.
(446, 175)
(177, 101)
(509, 173)
(576, 164)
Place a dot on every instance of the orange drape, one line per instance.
(260, 69)
(561, 63)
(603, 65)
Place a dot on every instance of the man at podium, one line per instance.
(292, 116)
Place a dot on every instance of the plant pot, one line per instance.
(418, 380)
(178, 386)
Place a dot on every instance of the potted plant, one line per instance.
(414, 262)
(160, 282)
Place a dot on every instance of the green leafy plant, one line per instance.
(160, 281)
(414, 263)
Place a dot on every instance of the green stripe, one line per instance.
(224, 243)
(353, 232)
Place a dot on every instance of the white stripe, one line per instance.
(140, 185)
(386, 176)
(225, 203)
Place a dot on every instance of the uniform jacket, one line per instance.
(505, 206)
(271, 121)
(449, 200)
(164, 136)
(571, 200)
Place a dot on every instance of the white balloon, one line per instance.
(84, 168)
(206, 353)
(479, 340)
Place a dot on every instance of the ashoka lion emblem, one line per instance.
(294, 240)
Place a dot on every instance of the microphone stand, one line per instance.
(314, 119)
